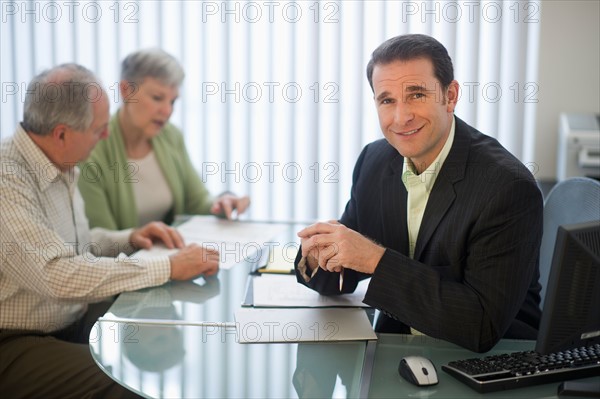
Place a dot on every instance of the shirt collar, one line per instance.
(409, 177)
(39, 165)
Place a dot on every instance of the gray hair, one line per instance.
(63, 94)
(152, 63)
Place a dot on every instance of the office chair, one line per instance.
(574, 200)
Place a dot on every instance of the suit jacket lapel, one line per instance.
(393, 207)
(441, 198)
(443, 195)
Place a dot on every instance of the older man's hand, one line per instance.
(145, 236)
(193, 261)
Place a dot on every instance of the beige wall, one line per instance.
(569, 72)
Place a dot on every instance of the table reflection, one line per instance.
(159, 303)
(185, 361)
(326, 371)
(154, 349)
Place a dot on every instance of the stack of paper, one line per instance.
(286, 311)
(302, 325)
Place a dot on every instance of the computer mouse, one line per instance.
(418, 370)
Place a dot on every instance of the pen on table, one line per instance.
(341, 279)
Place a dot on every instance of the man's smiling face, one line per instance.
(415, 112)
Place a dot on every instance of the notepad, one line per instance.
(302, 325)
(281, 259)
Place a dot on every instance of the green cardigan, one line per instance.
(106, 179)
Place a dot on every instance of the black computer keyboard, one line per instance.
(521, 369)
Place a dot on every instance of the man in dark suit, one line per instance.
(445, 221)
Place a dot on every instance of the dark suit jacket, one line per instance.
(474, 276)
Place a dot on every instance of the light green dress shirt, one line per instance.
(419, 186)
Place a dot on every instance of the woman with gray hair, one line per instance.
(142, 172)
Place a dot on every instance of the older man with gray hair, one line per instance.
(51, 265)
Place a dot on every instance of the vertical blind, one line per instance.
(275, 103)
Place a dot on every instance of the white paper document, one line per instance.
(302, 325)
(213, 229)
(285, 291)
(236, 241)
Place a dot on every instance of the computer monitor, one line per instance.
(571, 314)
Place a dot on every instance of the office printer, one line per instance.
(578, 146)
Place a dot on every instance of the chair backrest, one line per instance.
(574, 200)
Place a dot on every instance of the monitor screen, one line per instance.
(571, 315)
